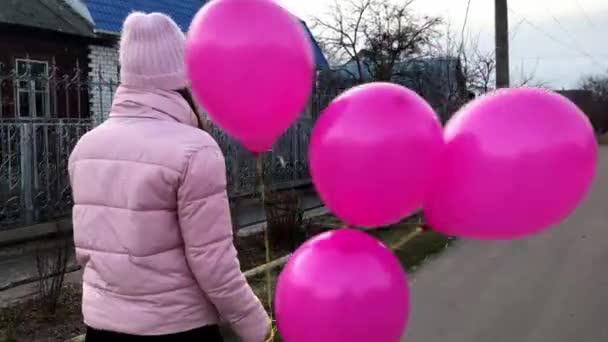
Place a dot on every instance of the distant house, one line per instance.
(41, 43)
(596, 110)
(440, 80)
(108, 17)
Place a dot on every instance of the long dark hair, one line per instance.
(187, 95)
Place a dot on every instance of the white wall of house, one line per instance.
(103, 78)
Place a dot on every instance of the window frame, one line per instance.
(30, 91)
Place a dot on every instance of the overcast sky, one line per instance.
(560, 40)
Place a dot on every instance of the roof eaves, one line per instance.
(100, 33)
(106, 32)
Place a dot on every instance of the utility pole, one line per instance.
(502, 43)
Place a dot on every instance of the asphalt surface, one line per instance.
(551, 287)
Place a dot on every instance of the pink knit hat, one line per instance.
(152, 52)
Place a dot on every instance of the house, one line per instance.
(594, 108)
(42, 45)
(58, 71)
(44, 107)
(440, 80)
(108, 16)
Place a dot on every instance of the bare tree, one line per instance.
(596, 84)
(394, 35)
(342, 33)
(479, 65)
(527, 77)
(375, 36)
(479, 68)
(475, 68)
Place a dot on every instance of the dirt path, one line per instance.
(552, 287)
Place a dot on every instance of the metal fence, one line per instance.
(285, 167)
(34, 185)
(35, 146)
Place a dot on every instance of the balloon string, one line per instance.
(262, 190)
(408, 238)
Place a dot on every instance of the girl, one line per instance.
(151, 219)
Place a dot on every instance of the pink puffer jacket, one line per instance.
(152, 225)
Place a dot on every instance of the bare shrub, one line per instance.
(51, 266)
(284, 216)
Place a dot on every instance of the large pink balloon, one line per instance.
(252, 65)
(342, 286)
(373, 153)
(516, 162)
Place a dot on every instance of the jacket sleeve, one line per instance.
(206, 226)
(81, 258)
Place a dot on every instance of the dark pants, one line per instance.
(204, 334)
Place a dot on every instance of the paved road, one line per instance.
(552, 287)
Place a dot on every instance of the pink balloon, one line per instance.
(342, 286)
(373, 154)
(516, 162)
(252, 65)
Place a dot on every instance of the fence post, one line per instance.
(100, 114)
(1, 98)
(295, 143)
(236, 162)
(61, 163)
(27, 168)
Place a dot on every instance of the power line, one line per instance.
(515, 30)
(587, 18)
(466, 19)
(561, 42)
(558, 57)
(464, 26)
(512, 34)
(574, 40)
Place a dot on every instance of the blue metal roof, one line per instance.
(321, 60)
(110, 14)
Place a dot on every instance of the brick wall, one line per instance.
(103, 78)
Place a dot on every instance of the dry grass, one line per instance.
(419, 249)
(29, 322)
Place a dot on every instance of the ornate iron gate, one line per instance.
(34, 186)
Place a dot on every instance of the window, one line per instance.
(32, 89)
